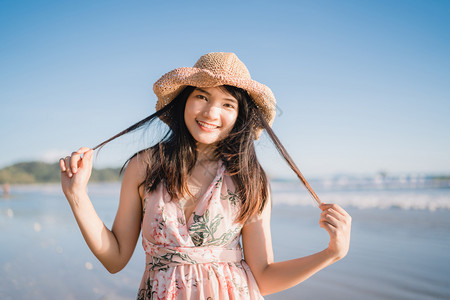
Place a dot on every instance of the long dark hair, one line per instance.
(172, 159)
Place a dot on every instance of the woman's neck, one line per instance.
(205, 153)
(205, 168)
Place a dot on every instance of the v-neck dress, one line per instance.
(200, 258)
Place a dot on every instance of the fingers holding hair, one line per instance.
(337, 222)
(78, 159)
(329, 218)
(335, 207)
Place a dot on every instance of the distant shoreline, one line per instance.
(37, 172)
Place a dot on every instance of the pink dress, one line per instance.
(200, 258)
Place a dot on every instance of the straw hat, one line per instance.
(211, 70)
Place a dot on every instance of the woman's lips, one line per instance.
(207, 126)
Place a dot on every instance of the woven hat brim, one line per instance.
(172, 83)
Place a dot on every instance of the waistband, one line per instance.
(162, 257)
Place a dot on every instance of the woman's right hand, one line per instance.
(76, 171)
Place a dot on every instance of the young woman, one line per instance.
(198, 191)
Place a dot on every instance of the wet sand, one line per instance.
(394, 254)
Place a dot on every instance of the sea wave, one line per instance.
(364, 198)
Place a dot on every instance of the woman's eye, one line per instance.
(227, 105)
(201, 97)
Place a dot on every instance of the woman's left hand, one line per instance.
(337, 222)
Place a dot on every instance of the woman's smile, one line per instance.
(207, 126)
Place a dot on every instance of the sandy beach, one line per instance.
(395, 253)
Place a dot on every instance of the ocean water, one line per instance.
(400, 246)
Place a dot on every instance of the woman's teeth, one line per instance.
(207, 125)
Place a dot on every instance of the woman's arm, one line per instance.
(272, 276)
(113, 248)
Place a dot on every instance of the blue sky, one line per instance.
(362, 86)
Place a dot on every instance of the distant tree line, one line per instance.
(41, 172)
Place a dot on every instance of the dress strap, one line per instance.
(163, 257)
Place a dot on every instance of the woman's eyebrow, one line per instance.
(203, 91)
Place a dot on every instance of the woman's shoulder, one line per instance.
(135, 170)
(138, 164)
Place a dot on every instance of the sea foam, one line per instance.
(404, 193)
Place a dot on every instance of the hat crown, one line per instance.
(221, 63)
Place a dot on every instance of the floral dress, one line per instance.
(199, 258)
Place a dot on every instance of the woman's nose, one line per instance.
(211, 111)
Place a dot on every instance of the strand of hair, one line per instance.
(289, 160)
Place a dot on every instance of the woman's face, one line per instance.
(210, 114)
